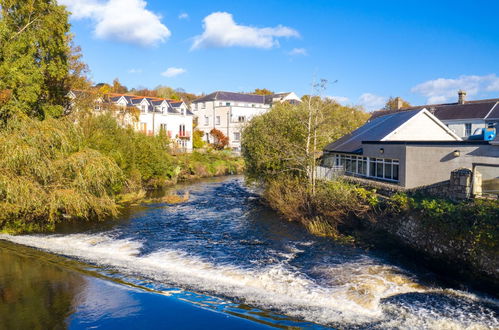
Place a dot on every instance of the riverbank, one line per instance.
(458, 238)
(224, 251)
(86, 168)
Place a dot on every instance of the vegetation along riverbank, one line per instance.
(461, 236)
(61, 168)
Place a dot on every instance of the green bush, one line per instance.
(47, 173)
(321, 212)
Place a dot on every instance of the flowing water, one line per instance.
(224, 251)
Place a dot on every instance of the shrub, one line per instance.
(47, 173)
(322, 212)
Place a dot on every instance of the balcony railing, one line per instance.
(184, 135)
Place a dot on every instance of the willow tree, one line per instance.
(35, 57)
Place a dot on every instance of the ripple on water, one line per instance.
(224, 243)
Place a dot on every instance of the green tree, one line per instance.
(197, 139)
(35, 48)
(288, 139)
(395, 103)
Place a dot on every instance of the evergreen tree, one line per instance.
(35, 57)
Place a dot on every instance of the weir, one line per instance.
(224, 243)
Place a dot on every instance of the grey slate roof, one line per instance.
(479, 109)
(374, 130)
(231, 96)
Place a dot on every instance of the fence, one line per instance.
(486, 179)
(328, 173)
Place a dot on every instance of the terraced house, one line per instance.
(228, 112)
(151, 115)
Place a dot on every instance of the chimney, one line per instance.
(398, 103)
(462, 96)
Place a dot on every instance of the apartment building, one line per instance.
(229, 112)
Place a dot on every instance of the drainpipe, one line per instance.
(153, 118)
(228, 122)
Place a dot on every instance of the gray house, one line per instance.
(409, 148)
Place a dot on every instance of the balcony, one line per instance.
(184, 135)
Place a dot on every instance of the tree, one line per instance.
(262, 91)
(221, 141)
(395, 103)
(197, 139)
(118, 87)
(35, 57)
(166, 92)
(288, 139)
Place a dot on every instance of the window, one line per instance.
(241, 119)
(143, 127)
(203, 105)
(217, 120)
(467, 129)
(162, 127)
(237, 136)
(143, 107)
(386, 169)
(181, 131)
(490, 125)
(220, 104)
(182, 112)
(253, 105)
(206, 121)
(227, 104)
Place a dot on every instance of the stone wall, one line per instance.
(445, 251)
(461, 185)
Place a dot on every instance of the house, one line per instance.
(150, 115)
(228, 112)
(463, 117)
(410, 148)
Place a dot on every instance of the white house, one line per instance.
(228, 112)
(154, 115)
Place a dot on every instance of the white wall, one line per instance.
(229, 118)
(421, 127)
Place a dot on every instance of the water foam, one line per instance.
(351, 294)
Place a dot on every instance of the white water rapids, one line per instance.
(348, 294)
(224, 243)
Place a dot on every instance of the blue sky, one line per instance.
(421, 50)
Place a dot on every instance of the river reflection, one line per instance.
(35, 294)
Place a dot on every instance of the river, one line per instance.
(225, 260)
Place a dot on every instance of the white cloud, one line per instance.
(173, 72)
(121, 20)
(372, 101)
(339, 99)
(298, 51)
(220, 30)
(443, 90)
(132, 71)
(183, 16)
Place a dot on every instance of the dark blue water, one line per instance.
(225, 251)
